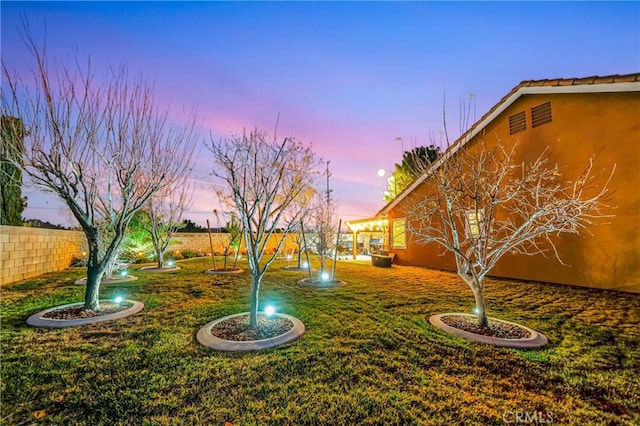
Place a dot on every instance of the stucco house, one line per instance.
(575, 118)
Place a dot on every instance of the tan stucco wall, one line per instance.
(583, 124)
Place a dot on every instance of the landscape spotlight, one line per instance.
(324, 276)
(269, 310)
(305, 265)
(123, 273)
(118, 300)
(170, 264)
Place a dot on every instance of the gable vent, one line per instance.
(541, 114)
(517, 123)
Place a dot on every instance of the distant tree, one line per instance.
(409, 169)
(12, 203)
(137, 244)
(323, 233)
(264, 180)
(302, 203)
(480, 204)
(190, 226)
(234, 231)
(103, 148)
(37, 223)
(324, 227)
(118, 261)
(162, 215)
(299, 240)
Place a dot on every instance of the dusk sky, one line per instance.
(350, 78)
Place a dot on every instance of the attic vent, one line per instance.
(517, 123)
(541, 114)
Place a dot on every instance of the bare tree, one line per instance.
(265, 179)
(162, 215)
(299, 241)
(235, 239)
(228, 239)
(304, 204)
(104, 148)
(480, 203)
(323, 233)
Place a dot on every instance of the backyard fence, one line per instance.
(28, 252)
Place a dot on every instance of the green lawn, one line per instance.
(369, 355)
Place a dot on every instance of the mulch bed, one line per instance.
(237, 328)
(496, 328)
(78, 311)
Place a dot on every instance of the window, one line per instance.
(398, 233)
(474, 221)
(541, 114)
(517, 123)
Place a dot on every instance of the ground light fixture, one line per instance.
(269, 310)
(118, 300)
(123, 273)
(305, 265)
(170, 263)
(324, 276)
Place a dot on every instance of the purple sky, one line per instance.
(350, 78)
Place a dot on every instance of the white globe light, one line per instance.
(123, 273)
(118, 300)
(269, 310)
(324, 276)
(381, 172)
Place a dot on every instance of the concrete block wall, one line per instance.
(29, 252)
(199, 242)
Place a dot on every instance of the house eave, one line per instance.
(626, 86)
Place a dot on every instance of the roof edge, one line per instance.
(524, 88)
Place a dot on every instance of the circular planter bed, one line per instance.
(223, 271)
(72, 315)
(306, 282)
(283, 329)
(156, 269)
(108, 280)
(296, 268)
(500, 333)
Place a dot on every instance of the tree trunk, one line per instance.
(255, 290)
(299, 257)
(235, 261)
(480, 308)
(95, 271)
(160, 255)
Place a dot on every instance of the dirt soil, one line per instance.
(237, 328)
(498, 329)
(78, 311)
